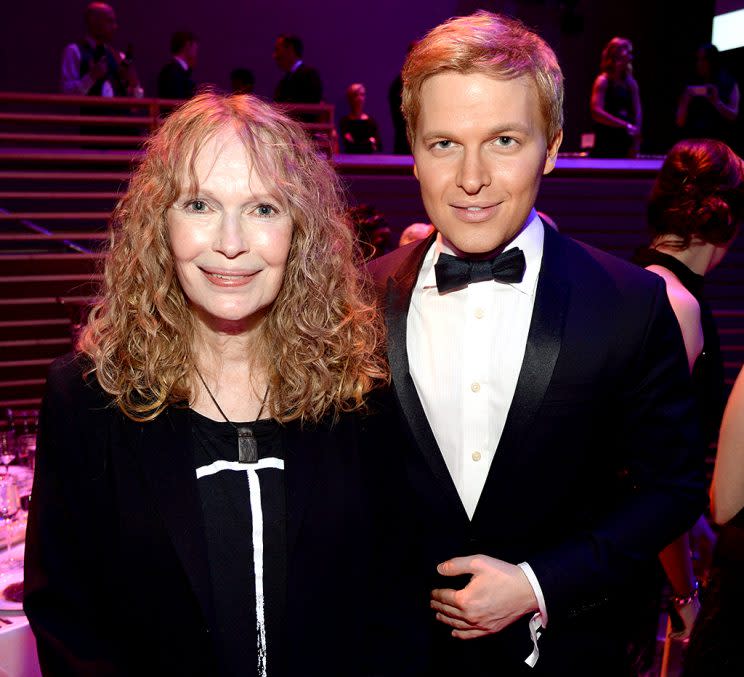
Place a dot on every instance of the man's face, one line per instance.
(284, 54)
(480, 152)
(102, 24)
(191, 53)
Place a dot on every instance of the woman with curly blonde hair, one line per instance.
(206, 491)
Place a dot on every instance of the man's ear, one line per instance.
(415, 170)
(552, 153)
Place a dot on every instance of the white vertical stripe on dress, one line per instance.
(254, 489)
(258, 550)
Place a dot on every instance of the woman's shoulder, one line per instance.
(677, 292)
(70, 380)
(601, 80)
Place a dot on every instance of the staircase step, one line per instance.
(28, 286)
(50, 264)
(33, 349)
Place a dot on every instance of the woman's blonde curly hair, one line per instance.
(321, 340)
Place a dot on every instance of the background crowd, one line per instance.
(708, 87)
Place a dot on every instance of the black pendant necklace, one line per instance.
(247, 445)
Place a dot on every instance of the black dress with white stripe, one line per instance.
(244, 506)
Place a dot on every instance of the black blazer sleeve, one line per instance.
(64, 587)
(661, 474)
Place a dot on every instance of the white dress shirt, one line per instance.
(465, 352)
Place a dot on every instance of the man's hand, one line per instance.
(98, 69)
(497, 595)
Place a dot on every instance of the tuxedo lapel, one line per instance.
(397, 301)
(164, 450)
(540, 356)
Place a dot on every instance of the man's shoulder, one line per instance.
(305, 69)
(586, 263)
(170, 69)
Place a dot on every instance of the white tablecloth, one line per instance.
(17, 644)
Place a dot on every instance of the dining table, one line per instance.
(18, 657)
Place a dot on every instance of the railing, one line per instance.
(54, 120)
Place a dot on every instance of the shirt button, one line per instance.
(479, 313)
(476, 455)
(475, 387)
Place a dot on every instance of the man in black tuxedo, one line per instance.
(543, 383)
(175, 80)
(300, 83)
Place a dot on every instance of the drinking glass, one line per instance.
(7, 448)
(25, 424)
(9, 506)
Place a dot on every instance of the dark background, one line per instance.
(366, 40)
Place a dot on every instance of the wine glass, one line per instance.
(25, 424)
(7, 449)
(9, 506)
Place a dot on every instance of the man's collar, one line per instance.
(530, 240)
(181, 62)
(296, 65)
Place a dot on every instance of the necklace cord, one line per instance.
(219, 408)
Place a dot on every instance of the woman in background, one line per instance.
(359, 131)
(694, 213)
(616, 103)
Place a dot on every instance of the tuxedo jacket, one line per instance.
(301, 86)
(599, 465)
(174, 82)
(117, 575)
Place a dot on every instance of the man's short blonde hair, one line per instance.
(486, 43)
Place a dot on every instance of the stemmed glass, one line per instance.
(10, 504)
(25, 424)
(7, 449)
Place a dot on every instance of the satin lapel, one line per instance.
(164, 450)
(301, 466)
(397, 301)
(541, 353)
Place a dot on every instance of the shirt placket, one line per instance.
(475, 387)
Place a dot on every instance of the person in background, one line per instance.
(616, 103)
(301, 83)
(544, 382)
(371, 229)
(175, 80)
(210, 483)
(395, 93)
(709, 105)
(242, 81)
(694, 213)
(414, 233)
(92, 66)
(727, 490)
(715, 645)
(715, 648)
(359, 131)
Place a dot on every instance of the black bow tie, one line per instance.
(455, 273)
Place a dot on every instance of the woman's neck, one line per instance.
(231, 366)
(697, 256)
